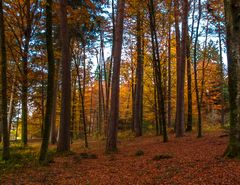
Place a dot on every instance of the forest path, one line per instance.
(188, 161)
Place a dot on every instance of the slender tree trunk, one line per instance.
(82, 95)
(65, 117)
(50, 85)
(222, 76)
(203, 64)
(178, 49)
(53, 133)
(169, 80)
(73, 117)
(132, 89)
(139, 79)
(157, 70)
(100, 97)
(156, 110)
(17, 122)
(11, 106)
(109, 77)
(27, 34)
(195, 72)
(42, 102)
(3, 112)
(111, 144)
(83, 99)
(189, 72)
(189, 90)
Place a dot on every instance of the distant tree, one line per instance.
(3, 108)
(65, 118)
(232, 11)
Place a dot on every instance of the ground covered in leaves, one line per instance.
(145, 160)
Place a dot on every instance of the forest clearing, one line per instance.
(139, 161)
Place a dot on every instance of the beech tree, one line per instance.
(65, 118)
(232, 11)
(111, 143)
(139, 77)
(3, 108)
(50, 85)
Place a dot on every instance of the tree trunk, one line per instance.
(139, 79)
(195, 72)
(53, 133)
(169, 80)
(11, 102)
(232, 11)
(111, 144)
(73, 117)
(181, 56)
(189, 88)
(222, 76)
(157, 70)
(3, 112)
(27, 34)
(65, 117)
(50, 83)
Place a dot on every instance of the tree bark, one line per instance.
(50, 83)
(65, 117)
(139, 79)
(169, 80)
(232, 11)
(53, 133)
(3, 112)
(222, 76)
(157, 70)
(189, 90)
(199, 125)
(27, 35)
(181, 56)
(111, 144)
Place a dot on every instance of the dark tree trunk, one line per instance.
(189, 89)
(156, 110)
(73, 117)
(169, 80)
(111, 144)
(178, 56)
(27, 35)
(132, 88)
(181, 56)
(53, 133)
(157, 70)
(3, 111)
(195, 73)
(232, 11)
(222, 76)
(65, 117)
(50, 83)
(139, 79)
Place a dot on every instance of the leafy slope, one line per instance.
(193, 161)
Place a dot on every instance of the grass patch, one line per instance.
(162, 156)
(20, 157)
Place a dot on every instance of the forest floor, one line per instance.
(146, 160)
